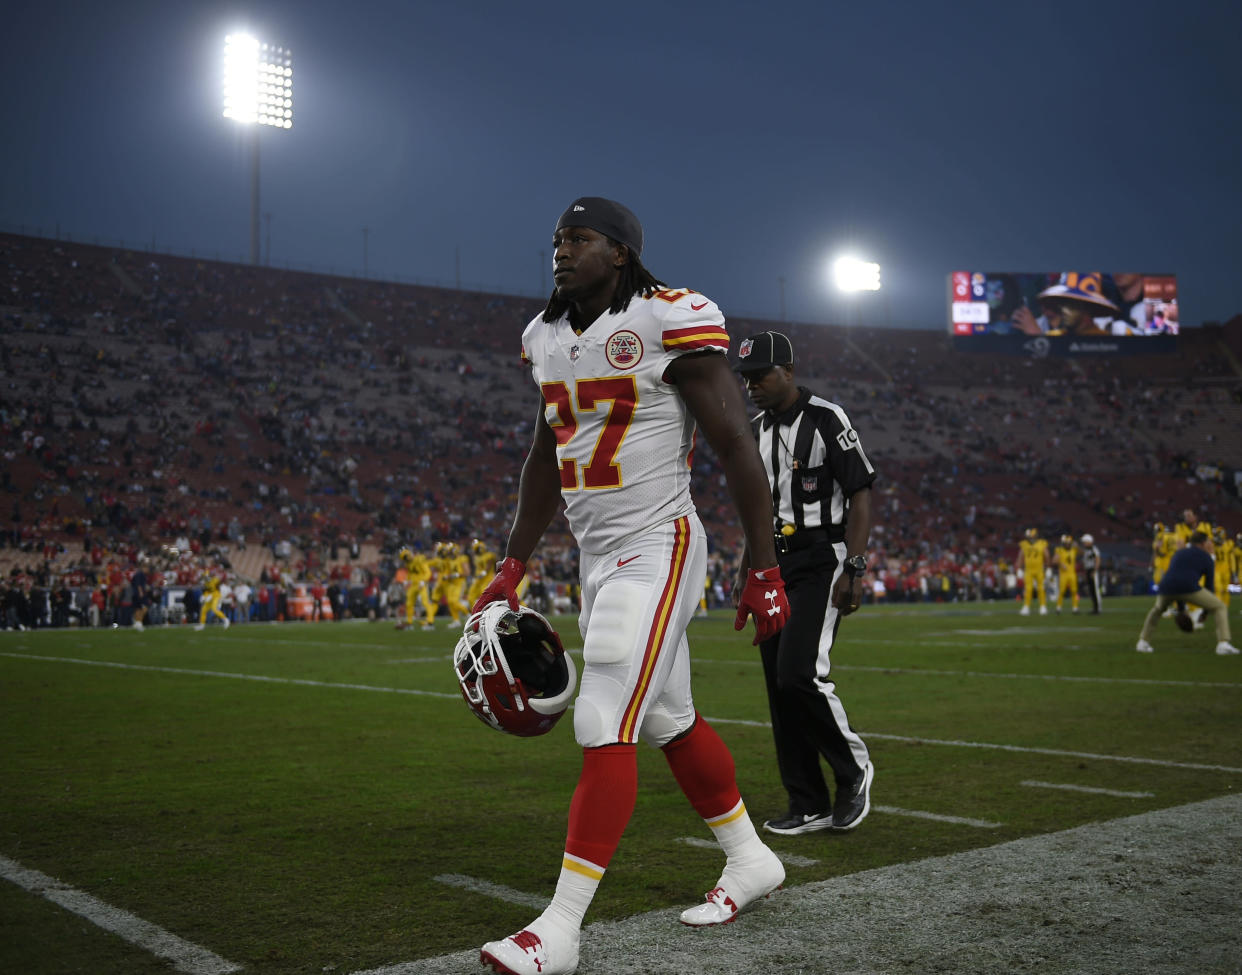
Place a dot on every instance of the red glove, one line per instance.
(504, 586)
(764, 598)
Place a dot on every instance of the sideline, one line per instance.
(1152, 892)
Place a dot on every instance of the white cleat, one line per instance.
(1043, 610)
(198, 626)
(1225, 648)
(1144, 647)
(1025, 611)
(138, 625)
(737, 890)
(529, 953)
(226, 622)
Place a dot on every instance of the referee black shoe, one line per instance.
(794, 823)
(852, 805)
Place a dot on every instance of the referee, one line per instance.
(821, 500)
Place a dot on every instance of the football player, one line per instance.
(482, 568)
(1034, 552)
(627, 368)
(211, 602)
(451, 568)
(434, 564)
(1066, 555)
(417, 575)
(1224, 563)
(1237, 557)
(1164, 543)
(1190, 524)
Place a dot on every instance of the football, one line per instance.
(1184, 622)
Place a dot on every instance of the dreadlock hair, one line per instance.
(634, 280)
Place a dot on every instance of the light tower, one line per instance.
(258, 90)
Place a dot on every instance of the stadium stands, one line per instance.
(148, 397)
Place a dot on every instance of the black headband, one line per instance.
(608, 217)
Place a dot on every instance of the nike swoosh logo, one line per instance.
(625, 562)
(695, 307)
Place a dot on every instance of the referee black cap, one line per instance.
(609, 217)
(763, 351)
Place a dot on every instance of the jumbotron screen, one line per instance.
(1077, 304)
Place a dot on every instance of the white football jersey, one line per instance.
(623, 434)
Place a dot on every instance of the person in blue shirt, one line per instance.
(1183, 581)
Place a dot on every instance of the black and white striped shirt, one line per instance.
(814, 461)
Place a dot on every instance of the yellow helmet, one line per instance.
(1032, 533)
(1218, 534)
(478, 546)
(1158, 528)
(405, 554)
(1067, 539)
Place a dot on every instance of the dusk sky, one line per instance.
(755, 141)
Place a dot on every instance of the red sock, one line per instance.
(703, 767)
(603, 802)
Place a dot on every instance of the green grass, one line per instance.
(295, 827)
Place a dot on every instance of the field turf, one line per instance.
(317, 798)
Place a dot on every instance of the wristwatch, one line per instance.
(856, 565)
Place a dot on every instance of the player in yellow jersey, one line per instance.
(1224, 564)
(1237, 556)
(1190, 524)
(1034, 554)
(417, 575)
(452, 567)
(701, 613)
(211, 603)
(1066, 555)
(1164, 543)
(482, 567)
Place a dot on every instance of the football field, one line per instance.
(317, 798)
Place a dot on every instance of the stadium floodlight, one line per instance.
(258, 82)
(258, 91)
(852, 274)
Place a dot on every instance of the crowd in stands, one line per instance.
(297, 429)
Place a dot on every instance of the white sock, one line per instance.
(575, 889)
(737, 836)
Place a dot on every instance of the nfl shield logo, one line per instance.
(809, 484)
(573, 354)
(743, 350)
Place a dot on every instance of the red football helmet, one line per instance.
(513, 671)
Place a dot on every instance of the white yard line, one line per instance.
(1033, 784)
(489, 889)
(1237, 685)
(1061, 753)
(231, 676)
(928, 672)
(937, 817)
(185, 956)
